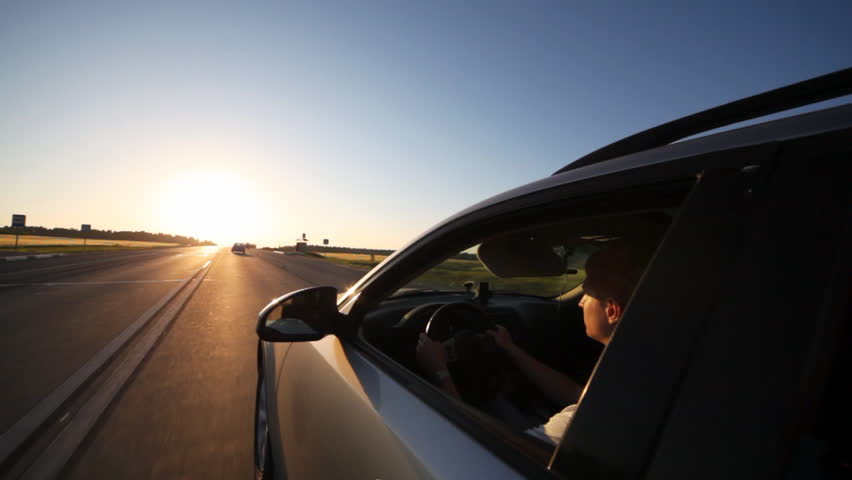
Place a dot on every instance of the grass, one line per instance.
(357, 260)
(39, 244)
(453, 273)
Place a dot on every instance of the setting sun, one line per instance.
(212, 205)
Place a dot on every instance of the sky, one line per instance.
(364, 123)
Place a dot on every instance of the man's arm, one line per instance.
(557, 386)
(432, 357)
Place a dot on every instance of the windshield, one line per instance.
(452, 274)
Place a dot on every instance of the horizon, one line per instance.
(189, 237)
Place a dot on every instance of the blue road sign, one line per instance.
(19, 220)
(85, 227)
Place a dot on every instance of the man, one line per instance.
(611, 275)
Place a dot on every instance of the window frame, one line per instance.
(525, 454)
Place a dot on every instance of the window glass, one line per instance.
(452, 274)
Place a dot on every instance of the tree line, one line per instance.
(139, 236)
(363, 251)
(328, 249)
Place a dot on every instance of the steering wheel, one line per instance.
(477, 364)
(452, 318)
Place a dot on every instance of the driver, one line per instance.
(611, 275)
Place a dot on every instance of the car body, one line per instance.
(728, 363)
(238, 248)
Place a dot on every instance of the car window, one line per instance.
(528, 281)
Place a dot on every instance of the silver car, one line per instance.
(730, 361)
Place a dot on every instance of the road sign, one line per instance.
(85, 227)
(19, 220)
(325, 241)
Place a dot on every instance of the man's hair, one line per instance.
(614, 270)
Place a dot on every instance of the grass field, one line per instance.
(39, 244)
(452, 274)
(357, 260)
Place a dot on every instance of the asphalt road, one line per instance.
(57, 313)
(187, 412)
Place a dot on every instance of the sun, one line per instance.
(211, 205)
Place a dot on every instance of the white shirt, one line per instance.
(553, 430)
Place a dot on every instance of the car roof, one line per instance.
(655, 146)
(799, 126)
(825, 87)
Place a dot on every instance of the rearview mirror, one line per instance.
(520, 255)
(301, 316)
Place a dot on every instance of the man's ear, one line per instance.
(613, 311)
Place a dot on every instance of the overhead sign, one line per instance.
(85, 227)
(19, 220)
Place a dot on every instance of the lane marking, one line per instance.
(115, 258)
(116, 282)
(31, 257)
(53, 459)
(26, 426)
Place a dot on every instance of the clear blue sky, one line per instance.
(362, 122)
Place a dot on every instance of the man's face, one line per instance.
(600, 317)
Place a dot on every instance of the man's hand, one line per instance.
(431, 355)
(503, 338)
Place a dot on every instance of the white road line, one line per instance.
(30, 257)
(27, 425)
(117, 282)
(54, 457)
(93, 262)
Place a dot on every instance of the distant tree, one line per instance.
(140, 236)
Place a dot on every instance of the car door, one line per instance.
(721, 358)
(753, 390)
(340, 416)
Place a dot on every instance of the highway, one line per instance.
(186, 409)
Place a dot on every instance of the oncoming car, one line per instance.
(731, 359)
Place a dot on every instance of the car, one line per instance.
(731, 360)
(238, 248)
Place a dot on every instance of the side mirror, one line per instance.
(301, 316)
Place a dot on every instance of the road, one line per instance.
(187, 410)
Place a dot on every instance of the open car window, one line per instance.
(523, 273)
(528, 281)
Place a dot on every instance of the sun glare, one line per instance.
(211, 206)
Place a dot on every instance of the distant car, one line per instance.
(238, 248)
(731, 360)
